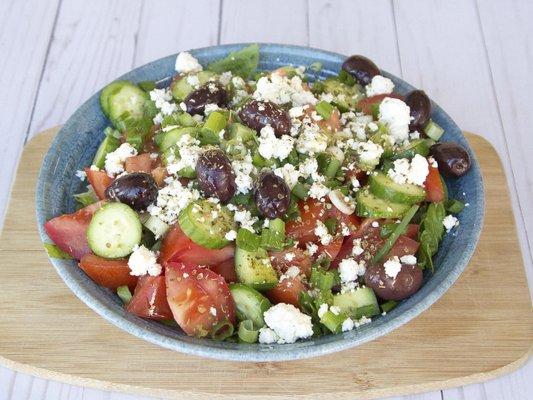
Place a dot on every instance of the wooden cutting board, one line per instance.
(480, 329)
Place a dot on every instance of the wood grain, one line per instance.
(458, 340)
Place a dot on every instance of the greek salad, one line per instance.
(263, 206)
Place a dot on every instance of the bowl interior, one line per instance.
(74, 147)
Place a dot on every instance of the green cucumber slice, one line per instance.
(107, 91)
(114, 231)
(371, 206)
(433, 130)
(171, 137)
(128, 101)
(156, 226)
(385, 188)
(357, 303)
(207, 223)
(254, 269)
(108, 145)
(417, 146)
(181, 88)
(250, 304)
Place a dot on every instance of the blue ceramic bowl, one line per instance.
(74, 147)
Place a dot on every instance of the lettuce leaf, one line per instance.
(55, 252)
(241, 62)
(430, 234)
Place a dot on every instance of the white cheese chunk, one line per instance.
(289, 323)
(143, 261)
(186, 63)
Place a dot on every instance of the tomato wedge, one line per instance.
(99, 180)
(297, 257)
(403, 246)
(178, 247)
(302, 229)
(150, 299)
(287, 291)
(108, 273)
(69, 231)
(434, 186)
(226, 269)
(140, 163)
(366, 104)
(200, 299)
(332, 249)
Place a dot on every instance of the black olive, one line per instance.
(210, 93)
(361, 69)
(257, 114)
(138, 190)
(215, 175)
(453, 159)
(271, 195)
(406, 283)
(418, 102)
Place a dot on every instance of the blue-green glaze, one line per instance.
(74, 147)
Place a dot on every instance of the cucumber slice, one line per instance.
(181, 88)
(156, 226)
(206, 223)
(385, 188)
(108, 145)
(127, 100)
(357, 303)
(250, 304)
(107, 91)
(417, 146)
(433, 130)
(171, 137)
(371, 206)
(114, 231)
(254, 269)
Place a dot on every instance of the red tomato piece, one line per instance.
(198, 298)
(352, 221)
(302, 229)
(140, 163)
(412, 231)
(434, 186)
(69, 231)
(370, 241)
(332, 249)
(177, 246)
(108, 273)
(366, 104)
(403, 246)
(150, 299)
(226, 269)
(298, 258)
(287, 291)
(159, 174)
(99, 180)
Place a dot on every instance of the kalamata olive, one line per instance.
(138, 190)
(453, 159)
(257, 114)
(271, 195)
(418, 102)
(215, 175)
(361, 68)
(211, 93)
(406, 283)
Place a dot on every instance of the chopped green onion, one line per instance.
(387, 246)
(346, 78)
(454, 206)
(374, 110)
(247, 240)
(124, 294)
(388, 228)
(301, 190)
(331, 224)
(222, 330)
(86, 198)
(324, 109)
(333, 321)
(247, 333)
(389, 305)
(433, 130)
(55, 252)
(147, 86)
(322, 279)
(307, 302)
(333, 167)
(216, 121)
(109, 131)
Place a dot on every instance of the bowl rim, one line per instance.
(281, 354)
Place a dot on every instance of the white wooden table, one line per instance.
(475, 58)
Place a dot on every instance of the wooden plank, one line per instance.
(168, 27)
(94, 42)
(25, 32)
(354, 31)
(275, 21)
(469, 340)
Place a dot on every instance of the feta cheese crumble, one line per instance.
(188, 149)
(82, 175)
(393, 267)
(288, 323)
(408, 259)
(397, 116)
(413, 172)
(267, 336)
(289, 173)
(231, 235)
(379, 85)
(349, 270)
(272, 147)
(322, 232)
(171, 200)
(114, 161)
(245, 220)
(292, 272)
(282, 90)
(143, 261)
(244, 169)
(186, 63)
(450, 222)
